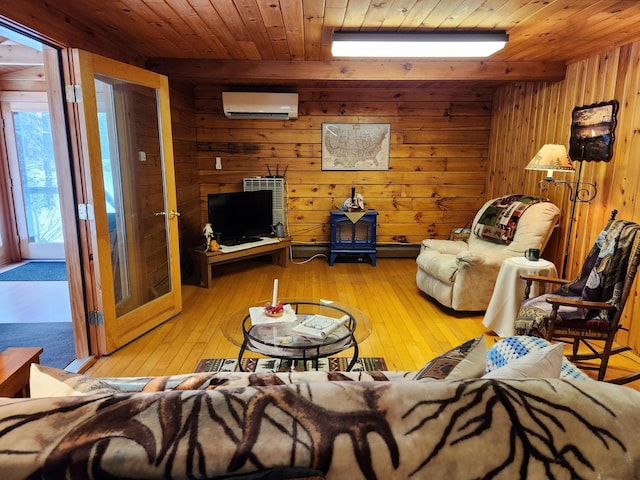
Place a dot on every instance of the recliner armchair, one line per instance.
(461, 275)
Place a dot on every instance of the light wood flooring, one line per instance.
(408, 328)
(35, 302)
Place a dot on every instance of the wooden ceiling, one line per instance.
(274, 41)
(21, 70)
(15, 57)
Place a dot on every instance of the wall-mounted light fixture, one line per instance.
(411, 44)
(554, 158)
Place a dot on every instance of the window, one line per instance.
(38, 176)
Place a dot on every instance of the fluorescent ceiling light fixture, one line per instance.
(424, 45)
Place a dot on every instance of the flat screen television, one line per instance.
(241, 217)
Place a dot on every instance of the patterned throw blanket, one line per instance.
(601, 279)
(605, 268)
(413, 430)
(499, 220)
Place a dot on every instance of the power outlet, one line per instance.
(218, 163)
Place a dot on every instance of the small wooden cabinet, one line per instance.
(353, 233)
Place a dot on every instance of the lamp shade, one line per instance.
(417, 44)
(551, 158)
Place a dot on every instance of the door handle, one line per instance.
(172, 214)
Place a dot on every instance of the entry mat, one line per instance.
(331, 364)
(36, 272)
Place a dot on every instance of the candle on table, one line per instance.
(275, 293)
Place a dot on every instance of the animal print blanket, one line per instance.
(499, 429)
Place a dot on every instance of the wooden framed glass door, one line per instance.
(32, 164)
(131, 217)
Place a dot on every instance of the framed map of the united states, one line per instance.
(355, 146)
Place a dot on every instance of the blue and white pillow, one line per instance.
(510, 348)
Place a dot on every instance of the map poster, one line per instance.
(355, 146)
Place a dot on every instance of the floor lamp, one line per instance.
(554, 158)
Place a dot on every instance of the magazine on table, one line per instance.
(319, 326)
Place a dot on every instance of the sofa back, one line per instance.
(346, 429)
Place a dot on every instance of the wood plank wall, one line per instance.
(528, 115)
(146, 239)
(438, 154)
(183, 127)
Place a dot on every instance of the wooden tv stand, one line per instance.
(204, 261)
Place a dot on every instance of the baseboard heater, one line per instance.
(382, 251)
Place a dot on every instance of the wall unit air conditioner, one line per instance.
(276, 106)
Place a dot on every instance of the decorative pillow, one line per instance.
(468, 360)
(543, 363)
(53, 382)
(510, 348)
(499, 220)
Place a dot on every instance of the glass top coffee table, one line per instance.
(276, 339)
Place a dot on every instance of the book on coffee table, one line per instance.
(319, 326)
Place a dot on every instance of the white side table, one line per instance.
(509, 292)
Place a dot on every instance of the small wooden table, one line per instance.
(15, 364)
(206, 260)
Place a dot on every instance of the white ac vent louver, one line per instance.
(275, 106)
(278, 188)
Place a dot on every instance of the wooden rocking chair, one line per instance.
(588, 309)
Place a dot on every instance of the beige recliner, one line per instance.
(462, 275)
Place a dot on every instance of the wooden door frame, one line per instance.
(83, 195)
(15, 185)
(58, 116)
(9, 230)
(71, 151)
(65, 160)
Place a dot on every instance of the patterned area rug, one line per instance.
(333, 364)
